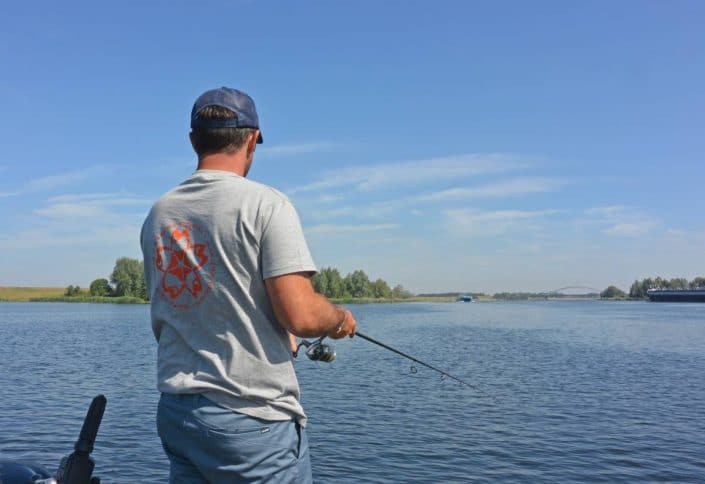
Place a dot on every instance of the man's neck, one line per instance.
(234, 163)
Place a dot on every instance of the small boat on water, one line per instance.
(465, 298)
(677, 295)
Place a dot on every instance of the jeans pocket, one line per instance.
(242, 434)
(222, 422)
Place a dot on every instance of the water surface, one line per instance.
(569, 392)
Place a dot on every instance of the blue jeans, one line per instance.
(207, 443)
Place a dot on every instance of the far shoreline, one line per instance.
(57, 294)
(421, 299)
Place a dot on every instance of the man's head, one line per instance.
(224, 121)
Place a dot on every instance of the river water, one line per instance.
(567, 391)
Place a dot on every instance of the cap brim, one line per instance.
(259, 138)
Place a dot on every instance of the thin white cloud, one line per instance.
(326, 198)
(632, 229)
(411, 173)
(295, 149)
(508, 188)
(80, 220)
(493, 223)
(622, 221)
(77, 197)
(608, 211)
(365, 211)
(97, 237)
(88, 205)
(52, 182)
(346, 228)
(386, 208)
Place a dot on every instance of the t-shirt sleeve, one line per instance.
(284, 249)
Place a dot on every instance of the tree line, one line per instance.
(127, 279)
(638, 289)
(329, 282)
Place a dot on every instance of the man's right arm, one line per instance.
(304, 312)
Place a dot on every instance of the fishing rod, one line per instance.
(401, 353)
(318, 351)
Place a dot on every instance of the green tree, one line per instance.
(612, 292)
(661, 283)
(358, 284)
(381, 289)
(697, 282)
(330, 283)
(142, 291)
(128, 277)
(336, 286)
(72, 291)
(637, 291)
(398, 292)
(100, 287)
(320, 282)
(678, 283)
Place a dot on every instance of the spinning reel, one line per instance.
(317, 350)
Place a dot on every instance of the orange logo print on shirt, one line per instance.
(186, 266)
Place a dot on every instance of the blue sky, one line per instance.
(471, 146)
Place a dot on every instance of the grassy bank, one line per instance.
(27, 293)
(56, 294)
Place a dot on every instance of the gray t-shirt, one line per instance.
(208, 246)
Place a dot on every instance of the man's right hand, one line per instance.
(346, 326)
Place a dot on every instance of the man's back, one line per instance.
(209, 244)
(228, 269)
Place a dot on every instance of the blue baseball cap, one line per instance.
(237, 101)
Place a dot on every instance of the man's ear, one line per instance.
(252, 142)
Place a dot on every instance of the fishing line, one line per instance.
(416, 360)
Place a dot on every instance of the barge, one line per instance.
(677, 295)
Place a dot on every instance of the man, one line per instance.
(228, 269)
